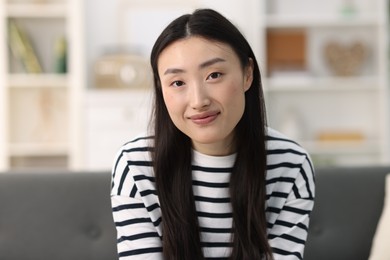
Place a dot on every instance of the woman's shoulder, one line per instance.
(278, 141)
(133, 161)
(138, 144)
(136, 150)
(287, 164)
(285, 153)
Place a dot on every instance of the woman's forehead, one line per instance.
(195, 49)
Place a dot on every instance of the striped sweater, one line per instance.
(137, 215)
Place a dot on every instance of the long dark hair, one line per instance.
(172, 153)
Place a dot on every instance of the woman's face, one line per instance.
(203, 86)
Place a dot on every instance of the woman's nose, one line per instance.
(199, 96)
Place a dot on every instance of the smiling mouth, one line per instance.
(204, 119)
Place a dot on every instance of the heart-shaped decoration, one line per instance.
(345, 60)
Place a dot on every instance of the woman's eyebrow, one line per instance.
(173, 71)
(201, 66)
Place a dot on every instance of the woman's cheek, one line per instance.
(173, 103)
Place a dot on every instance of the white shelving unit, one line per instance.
(341, 120)
(113, 117)
(40, 118)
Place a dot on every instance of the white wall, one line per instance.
(100, 30)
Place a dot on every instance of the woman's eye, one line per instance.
(177, 83)
(214, 75)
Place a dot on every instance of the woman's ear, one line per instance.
(248, 75)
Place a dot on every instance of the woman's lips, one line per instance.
(204, 118)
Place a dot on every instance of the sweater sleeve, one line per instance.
(137, 236)
(287, 236)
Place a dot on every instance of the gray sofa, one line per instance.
(56, 216)
(67, 216)
(348, 206)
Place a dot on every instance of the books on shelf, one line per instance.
(60, 55)
(22, 48)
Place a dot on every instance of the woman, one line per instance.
(212, 181)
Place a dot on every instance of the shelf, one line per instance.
(38, 80)
(38, 10)
(347, 147)
(298, 83)
(42, 117)
(304, 21)
(38, 149)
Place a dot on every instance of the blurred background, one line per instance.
(75, 79)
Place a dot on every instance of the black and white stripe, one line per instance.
(137, 214)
